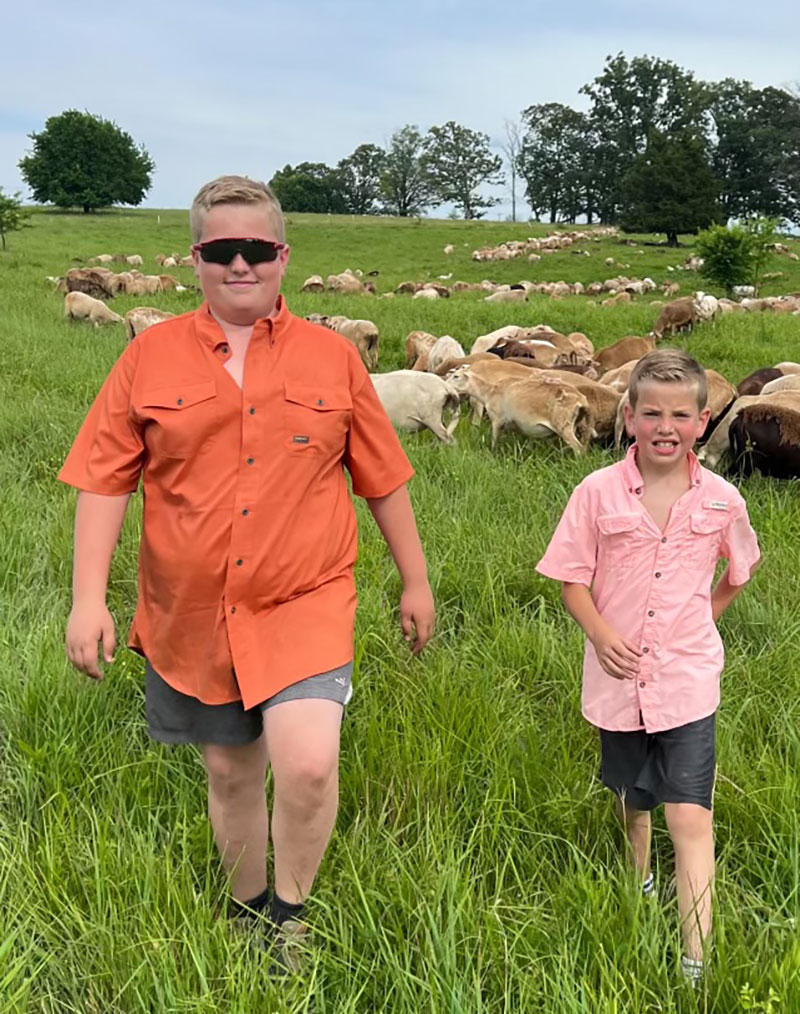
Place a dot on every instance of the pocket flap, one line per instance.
(180, 395)
(706, 522)
(613, 524)
(321, 399)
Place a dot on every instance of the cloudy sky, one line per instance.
(246, 87)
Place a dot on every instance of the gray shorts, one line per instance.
(674, 766)
(173, 717)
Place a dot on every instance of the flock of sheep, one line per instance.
(536, 380)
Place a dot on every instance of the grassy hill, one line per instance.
(475, 866)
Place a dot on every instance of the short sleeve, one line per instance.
(108, 451)
(739, 547)
(572, 553)
(374, 456)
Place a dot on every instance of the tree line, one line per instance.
(656, 151)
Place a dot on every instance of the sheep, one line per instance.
(622, 351)
(418, 342)
(415, 401)
(80, 306)
(141, 317)
(507, 296)
(313, 284)
(449, 249)
(444, 348)
(134, 260)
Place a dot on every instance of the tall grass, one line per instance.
(475, 866)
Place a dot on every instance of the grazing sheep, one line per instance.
(80, 306)
(449, 249)
(415, 401)
(134, 260)
(428, 292)
(141, 317)
(313, 284)
(507, 296)
(622, 351)
(444, 348)
(719, 443)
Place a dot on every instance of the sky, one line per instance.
(247, 87)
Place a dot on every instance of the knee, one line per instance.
(688, 821)
(307, 782)
(229, 778)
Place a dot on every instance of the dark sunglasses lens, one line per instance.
(254, 251)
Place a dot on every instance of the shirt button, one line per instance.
(233, 609)
(239, 563)
(642, 685)
(645, 651)
(320, 401)
(658, 573)
(638, 490)
(664, 540)
(180, 401)
(245, 512)
(252, 410)
(650, 612)
(251, 461)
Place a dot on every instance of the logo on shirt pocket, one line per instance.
(620, 540)
(707, 528)
(316, 419)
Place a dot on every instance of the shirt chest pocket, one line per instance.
(707, 529)
(316, 419)
(620, 540)
(181, 420)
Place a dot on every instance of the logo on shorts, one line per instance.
(340, 680)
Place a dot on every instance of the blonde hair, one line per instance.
(233, 190)
(669, 366)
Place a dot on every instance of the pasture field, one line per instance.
(475, 867)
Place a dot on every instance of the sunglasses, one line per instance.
(254, 251)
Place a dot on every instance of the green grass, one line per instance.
(475, 865)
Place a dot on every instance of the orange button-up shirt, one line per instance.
(249, 535)
(653, 588)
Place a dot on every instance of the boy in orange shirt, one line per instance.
(240, 419)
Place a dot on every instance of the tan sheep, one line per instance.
(80, 306)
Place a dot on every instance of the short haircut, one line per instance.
(669, 366)
(233, 190)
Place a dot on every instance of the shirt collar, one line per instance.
(635, 482)
(209, 331)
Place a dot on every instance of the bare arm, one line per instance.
(725, 593)
(618, 656)
(395, 519)
(98, 520)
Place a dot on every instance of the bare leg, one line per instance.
(691, 829)
(303, 744)
(237, 808)
(638, 833)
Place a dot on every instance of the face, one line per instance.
(240, 293)
(665, 423)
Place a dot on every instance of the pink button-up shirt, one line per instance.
(653, 588)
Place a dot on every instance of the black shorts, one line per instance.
(173, 717)
(674, 766)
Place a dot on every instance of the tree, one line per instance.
(555, 161)
(757, 149)
(360, 178)
(405, 182)
(459, 162)
(669, 188)
(727, 255)
(630, 100)
(512, 147)
(309, 187)
(82, 160)
(12, 215)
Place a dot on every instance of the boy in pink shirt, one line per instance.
(636, 550)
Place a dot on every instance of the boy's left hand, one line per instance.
(417, 615)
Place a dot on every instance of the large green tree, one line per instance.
(360, 179)
(12, 215)
(669, 188)
(756, 151)
(555, 161)
(309, 187)
(460, 161)
(81, 160)
(405, 182)
(630, 100)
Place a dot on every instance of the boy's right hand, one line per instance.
(617, 656)
(90, 623)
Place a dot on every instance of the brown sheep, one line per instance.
(622, 351)
(679, 315)
(92, 281)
